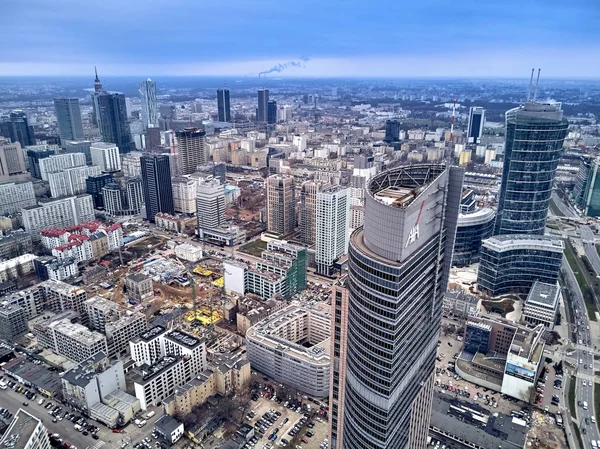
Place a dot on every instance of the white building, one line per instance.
(210, 204)
(189, 252)
(62, 269)
(16, 195)
(16, 267)
(541, 305)
(131, 164)
(333, 224)
(71, 181)
(25, 431)
(184, 194)
(106, 156)
(300, 140)
(59, 213)
(59, 162)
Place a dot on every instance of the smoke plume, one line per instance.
(286, 65)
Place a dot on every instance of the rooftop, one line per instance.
(184, 339)
(167, 424)
(21, 429)
(152, 333)
(509, 242)
(543, 294)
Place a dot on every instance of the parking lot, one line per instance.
(279, 425)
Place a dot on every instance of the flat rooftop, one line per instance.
(151, 334)
(542, 294)
(21, 428)
(184, 339)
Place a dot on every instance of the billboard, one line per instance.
(522, 371)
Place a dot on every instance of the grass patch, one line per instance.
(503, 307)
(572, 397)
(584, 284)
(254, 248)
(578, 435)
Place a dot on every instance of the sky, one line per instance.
(311, 38)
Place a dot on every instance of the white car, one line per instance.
(584, 383)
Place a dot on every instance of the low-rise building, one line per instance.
(292, 346)
(169, 429)
(541, 305)
(25, 432)
(189, 252)
(172, 223)
(17, 267)
(60, 296)
(13, 322)
(14, 244)
(139, 286)
(459, 304)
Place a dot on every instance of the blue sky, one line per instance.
(381, 38)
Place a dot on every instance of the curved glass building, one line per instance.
(534, 138)
(513, 263)
(470, 231)
(398, 271)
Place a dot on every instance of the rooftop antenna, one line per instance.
(530, 84)
(537, 81)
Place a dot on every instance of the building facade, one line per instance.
(541, 305)
(71, 181)
(475, 127)
(16, 195)
(106, 156)
(149, 105)
(535, 133)
(58, 162)
(25, 431)
(157, 187)
(191, 149)
(471, 230)
(398, 270)
(112, 121)
(513, 263)
(59, 213)
(68, 116)
(12, 161)
(333, 224)
(281, 204)
(223, 105)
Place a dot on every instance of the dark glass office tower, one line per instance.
(263, 105)
(113, 123)
(94, 185)
(476, 120)
(223, 105)
(534, 138)
(272, 112)
(398, 263)
(68, 116)
(19, 129)
(158, 190)
(392, 131)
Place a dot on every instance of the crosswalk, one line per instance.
(98, 445)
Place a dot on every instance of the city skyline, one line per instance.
(395, 39)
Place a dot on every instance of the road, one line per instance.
(582, 359)
(587, 239)
(566, 209)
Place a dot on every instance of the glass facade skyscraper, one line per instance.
(472, 229)
(398, 266)
(112, 119)
(68, 116)
(534, 138)
(157, 186)
(262, 111)
(149, 105)
(223, 105)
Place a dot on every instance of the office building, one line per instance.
(120, 201)
(587, 187)
(223, 105)
(15, 243)
(210, 204)
(476, 122)
(184, 194)
(392, 131)
(94, 185)
(263, 106)
(13, 322)
(292, 347)
(541, 305)
(25, 431)
(149, 105)
(332, 227)
(272, 112)
(79, 146)
(112, 121)
(68, 116)
(71, 181)
(472, 228)
(59, 213)
(399, 263)
(35, 154)
(534, 138)
(106, 156)
(281, 204)
(16, 195)
(69, 339)
(165, 361)
(58, 162)
(513, 263)
(19, 129)
(192, 149)
(12, 162)
(157, 187)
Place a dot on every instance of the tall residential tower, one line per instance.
(281, 204)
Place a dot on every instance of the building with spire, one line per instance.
(97, 90)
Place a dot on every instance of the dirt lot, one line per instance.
(263, 405)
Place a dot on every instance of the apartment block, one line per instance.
(63, 212)
(16, 195)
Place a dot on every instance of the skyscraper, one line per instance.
(308, 211)
(149, 105)
(392, 130)
(272, 112)
(95, 106)
(333, 222)
(158, 190)
(281, 204)
(399, 263)
(223, 105)
(12, 161)
(68, 116)
(106, 156)
(535, 133)
(210, 204)
(19, 129)
(263, 105)
(192, 150)
(112, 118)
(476, 120)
